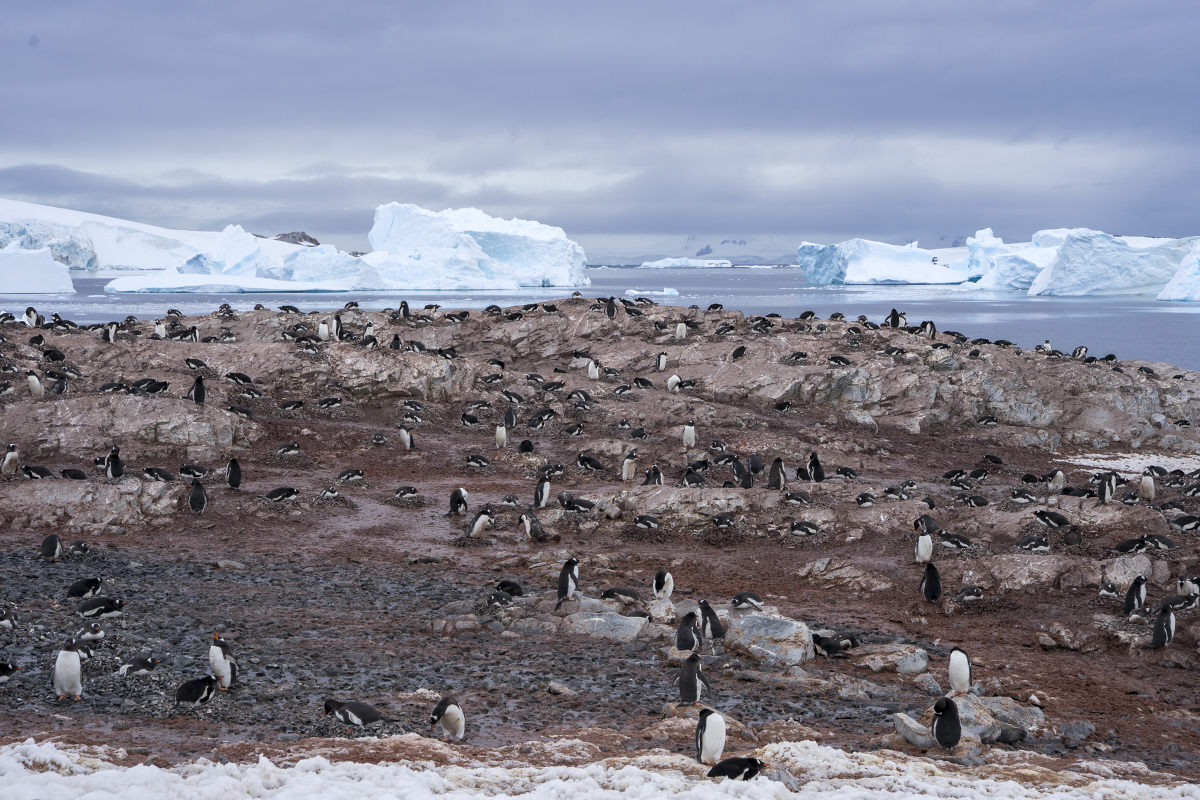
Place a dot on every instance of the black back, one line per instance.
(946, 728)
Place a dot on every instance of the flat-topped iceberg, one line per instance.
(25, 271)
(1185, 284)
(690, 263)
(862, 261)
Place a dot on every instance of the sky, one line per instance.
(631, 125)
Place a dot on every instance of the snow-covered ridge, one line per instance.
(413, 249)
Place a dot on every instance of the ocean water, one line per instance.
(1131, 327)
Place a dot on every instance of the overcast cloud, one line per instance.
(627, 124)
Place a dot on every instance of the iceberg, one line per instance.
(690, 263)
(24, 271)
(666, 292)
(1090, 262)
(1185, 284)
(861, 261)
(1006, 266)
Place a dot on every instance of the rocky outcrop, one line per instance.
(78, 506)
(774, 640)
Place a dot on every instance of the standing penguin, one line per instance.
(482, 521)
(233, 474)
(1135, 598)
(946, 728)
(67, 675)
(710, 736)
(449, 714)
(541, 493)
(1164, 628)
(533, 528)
(501, 436)
(691, 678)
(931, 583)
(689, 435)
(653, 475)
(710, 624)
(35, 386)
(687, 635)
(1145, 488)
(406, 437)
(681, 330)
(816, 473)
(664, 584)
(660, 363)
(196, 393)
(960, 672)
(458, 501)
(629, 466)
(610, 308)
(568, 581)
(12, 456)
(924, 551)
(197, 498)
(777, 477)
(52, 548)
(114, 467)
(222, 663)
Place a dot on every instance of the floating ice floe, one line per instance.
(666, 292)
(690, 263)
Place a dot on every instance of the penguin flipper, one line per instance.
(704, 680)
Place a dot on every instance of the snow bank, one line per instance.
(690, 263)
(31, 770)
(861, 261)
(32, 272)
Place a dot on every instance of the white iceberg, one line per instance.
(666, 292)
(1090, 262)
(690, 263)
(1185, 284)
(862, 261)
(1006, 266)
(25, 271)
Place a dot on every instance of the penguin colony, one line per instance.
(578, 400)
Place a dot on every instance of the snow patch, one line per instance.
(25, 271)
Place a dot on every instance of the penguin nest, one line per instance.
(334, 502)
(298, 461)
(467, 541)
(636, 534)
(407, 502)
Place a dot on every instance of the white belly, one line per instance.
(713, 743)
(220, 666)
(924, 548)
(68, 676)
(960, 672)
(454, 723)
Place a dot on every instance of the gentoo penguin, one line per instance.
(100, 607)
(1056, 480)
(710, 736)
(511, 588)
(323, 331)
(689, 435)
(501, 437)
(654, 476)
(35, 386)
(777, 477)
(893, 319)
(931, 583)
(737, 769)
(681, 330)
(541, 493)
(92, 633)
(32, 318)
(114, 467)
(8, 465)
(1164, 628)
(946, 728)
(449, 714)
(482, 521)
(352, 712)
(924, 550)
(67, 676)
(1051, 519)
(710, 624)
(52, 548)
(960, 672)
(196, 692)
(568, 581)
(406, 437)
(533, 528)
(7, 669)
(629, 466)
(747, 600)
(672, 384)
(458, 501)
(610, 308)
(687, 635)
(1145, 488)
(222, 662)
(691, 680)
(85, 587)
(816, 473)
(593, 369)
(1109, 589)
(139, 665)
(664, 584)
(8, 620)
(197, 498)
(1135, 598)
(196, 393)
(233, 474)
(660, 363)
(282, 493)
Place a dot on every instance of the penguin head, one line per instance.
(70, 645)
(689, 618)
(694, 658)
(332, 706)
(705, 713)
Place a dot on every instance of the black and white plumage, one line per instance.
(737, 769)
(10, 461)
(281, 494)
(687, 635)
(647, 522)
(924, 549)
(777, 477)
(196, 692)
(85, 587)
(114, 467)
(816, 473)
(1135, 597)
(568, 581)
(233, 474)
(710, 624)
(406, 438)
(67, 675)
(946, 728)
(629, 466)
(541, 492)
(1164, 629)
(197, 393)
(691, 680)
(352, 712)
(710, 736)
(664, 585)
(8, 620)
(931, 583)
(222, 663)
(52, 548)
(139, 665)
(482, 521)
(747, 600)
(533, 528)
(449, 715)
(1051, 519)
(654, 476)
(960, 672)
(197, 498)
(1035, 544)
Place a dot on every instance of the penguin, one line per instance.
(52, 548)
(406, 438)
(7, 669)
(593, 369)
(689, 435)
(1145, 488)
(114, 467)
(511, 588)
(691, 680)
(501, 437)
(681, 330)
(541, 493)
(8, 620)
(673, 383)
(222, 663)
(647, 522)
(85, 587)
(568, 581)
(747, 600)
(710, 624)
(924, 551)
(893, 319)
(1035, 544)
(197, 498)
(969, 594)
(67, 675)
(1109, 589)
(196, 393)
(12, 457)
(449, 714)
(610, 308)
(139, 665)
(353, 712)
(946, 728)
(629, 466)
(1056, 480)
(1051, 519)
(687, 635)
(458, 501)
(960, 672)
(1135, 597)
(931, 583)
(281, 494)
(92, 633)
(196, 692)
(482, 521)
(654, 476)
(660, 363)
(710, 736)
(777, 477)
(664, 585)
(533, 528)
(233, 474)
(737, 769)
(99, 607)
(323, 331)
(816, 473)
